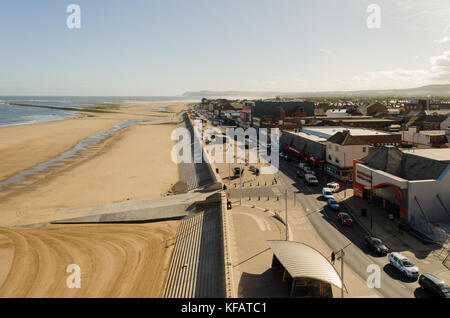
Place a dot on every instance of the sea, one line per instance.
(11, 115)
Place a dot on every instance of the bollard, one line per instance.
(268, 198)
(259, 198)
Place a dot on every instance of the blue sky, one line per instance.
(167, 47)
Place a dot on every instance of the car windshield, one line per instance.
(328, 193)
(345, 216)
(407, 263)
(377, 241)
(444, 288)
(332, 201)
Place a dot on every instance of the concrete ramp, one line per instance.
(167, 208)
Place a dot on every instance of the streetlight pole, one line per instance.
(240, 184)
(342, 272)
(287, 228)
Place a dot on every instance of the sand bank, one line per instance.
(115, 260)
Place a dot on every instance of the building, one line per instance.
(274, 109)
(374, 138)
(342, 112)
(434, 121)
(374, 108)
(424, 138)
(305, 147)
(420, 105)
(342, 149)
(412, 184)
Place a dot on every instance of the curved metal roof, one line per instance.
(301, 260)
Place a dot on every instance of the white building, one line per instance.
(342, 149)
(423, 138)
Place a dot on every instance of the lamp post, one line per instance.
(341, 258)
(287, 229)
(240, 184)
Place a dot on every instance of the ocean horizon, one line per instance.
(11, 115)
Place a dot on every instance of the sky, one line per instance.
(168, 47)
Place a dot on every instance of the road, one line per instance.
(324, 220)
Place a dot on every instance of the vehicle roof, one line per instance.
(399, 256)
(326, 189)
(434, 278)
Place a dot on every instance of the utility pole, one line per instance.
(240, 184)
(229, 175)
(341, 258)
(287, 228)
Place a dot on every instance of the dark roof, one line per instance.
(345, 139)
(404, 165)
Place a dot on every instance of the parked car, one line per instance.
(376, 245)
(327, 193)
(345, 219)
(301, 165)
(300, 173)
(237, 171)
(434, 285)
(311, 179)
(333, 204)
(282, 155)
(306, 169)
(403, 264)
(334, 186)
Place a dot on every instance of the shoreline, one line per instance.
(96, 176)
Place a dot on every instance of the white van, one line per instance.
(311, 179)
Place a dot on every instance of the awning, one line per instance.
(303, 261)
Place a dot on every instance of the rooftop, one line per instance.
(328, 131)
(438, 154)
(308, 136)
(410, 164)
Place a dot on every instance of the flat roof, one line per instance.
(307, 136)
(439, 154)
(328, 131)
(303, 261)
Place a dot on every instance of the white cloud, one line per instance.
(439, 72)
(443, 40)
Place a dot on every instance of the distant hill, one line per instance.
(433, 90)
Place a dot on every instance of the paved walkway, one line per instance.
(254, 223)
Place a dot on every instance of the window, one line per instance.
(329, 157)
(364, 149)
(336, 148)
(337, 160)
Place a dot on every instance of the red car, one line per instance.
(345, 219)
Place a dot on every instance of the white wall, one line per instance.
(426, 191)
(345, 154)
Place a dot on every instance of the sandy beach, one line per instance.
(127, 260)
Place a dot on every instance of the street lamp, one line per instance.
(341, 258)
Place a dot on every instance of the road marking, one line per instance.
(261, 223)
